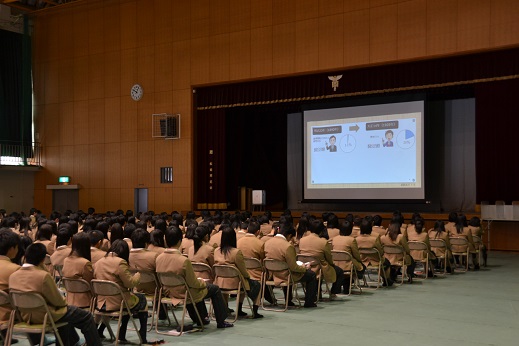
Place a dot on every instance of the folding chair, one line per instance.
(273, 267)
(203, 271)
(172, 281)
(460, 247)
(440, 244)
(478, 244)
(58, 273)
(319, 274)
(27, 301)
(370, 253)
(4, 300)
(253, 265)
(344, 257)
(109, 288)
(422, 248)
(231, 272)
(399, 252)
(149, 277)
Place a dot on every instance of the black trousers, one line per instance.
(220, 308)
(310, 281)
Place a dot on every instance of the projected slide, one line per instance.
(365, 152)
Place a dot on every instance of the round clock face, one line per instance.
(136, 92)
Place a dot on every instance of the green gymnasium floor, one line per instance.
(473, 308)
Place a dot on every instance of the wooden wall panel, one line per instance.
(163, 199)
(52, 82)
(127, 199)
(96, 121)
(129, 26)
(442, 17)
(128, 124)
(81, 78)
(163, 67)
(163, 103)
(504, 25)
(306, 9)
(261, 52)
(112, 120)
(199, 62)
(182, 162)
(81, 161)
(182, 198)
(38, 74)
(146, 170)
(112, 74)
(330, 7)
(383, 33)
(412, 29)
(306, 45)
(52, 163)
(181, 64)
(128, 70)
(51, 135)
(52, 38)
(96, 75)
(81, 129)
(284, 11)
(356, 38)
(112, 165)
(66, 123)
(96, 166)
(356, 5)
(112, 28)
(473, 24)
(96, 199)
(262, 13)
(200, 18)
(163, 155)
(331, 41)
(66, 160)
(40, 48)
(80, 33)
(66, 80)
(163, 22)
(145, 108)
(145, 23)
(128, 166)
(66, 37)
(377, 3)
(239, 55)
(181, 20)
(146, 69)
(239, 15)
(112, 199)
(283, 48)
(39, 197)
(219, 58)
(96, 30)
(182, 103)
(219, 17)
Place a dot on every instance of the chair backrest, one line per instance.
(147, 276)
(252, 263)
(417, 245)
(273, 265)
(341, 256)
(4, 298)
(476, 239)
(306, 258)
(226, 271)
(27, 300)
(105, 288)
(393, 249)
(169, 279)
(459, 241)
(437, 243)
(199, 267)
(368, 251)
(76, 285)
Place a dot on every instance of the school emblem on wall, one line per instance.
(335, 81)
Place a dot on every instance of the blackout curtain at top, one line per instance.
(15, 88)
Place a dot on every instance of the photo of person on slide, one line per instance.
(389, 137)
(332, 147)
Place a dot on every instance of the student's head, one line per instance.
(201, 235)
(317, 226)
(377, 220)
(140, 238)
(418, 225)
(253, 227)
(121, 249)
(453, 216)
(63, 237)
(228, 240)
(393, 230)
(96, 238)
(9, 243)
(173, 236)
(345, 228)
(44, 232)
(365, 226)
(288, 231)
(190, 231)
(475, 222)
(439, 226)
(128, 230)
(157, 238)
(389, 135)
(35, 254)
(116, 232)
(81, 245)
(161, 225)
(333, 221)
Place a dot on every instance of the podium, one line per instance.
(498, 212)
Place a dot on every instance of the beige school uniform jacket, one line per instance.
(280, 249)
(37, 279)
(96, 254)
(75, 267)
(58, 257)
(173, 261)
(252, 247)
(143, 259)
(401, 240)
(348, 244)
(235, 258)
(6, 269)
(116, 269)
(319, 248)
(370, 241)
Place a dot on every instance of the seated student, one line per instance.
(32, 277)
(187, 241)
(439, 232)
(62, 251)
(265, 225)
(201, 252)
(332, 226)
(394, 237)
(79, 266)
(419, 235)
(450, 226)
(369, 241)
(172, 260)
(9, 244)
(273, 231)
(143, 259)
(157, 241)
(228, 254)
(281, 249)
(96, 241)
(356, 226)
(244, 225)
(345, 242)
(314, 245)
(377, 226)
(127, 233)
(476, 230)
(462, 231)
(114, 267)
(44, 236)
